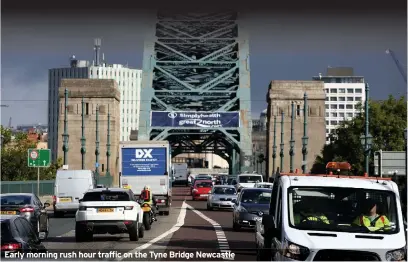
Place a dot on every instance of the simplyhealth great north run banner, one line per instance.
(194, 119)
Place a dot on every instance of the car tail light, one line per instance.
(129, 208)
(81, 208)
(128, 222)
(160, 201)
(10, 246)
(54, 199)
(26, 209)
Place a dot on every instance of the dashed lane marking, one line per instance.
(180, 222)
(222, 239)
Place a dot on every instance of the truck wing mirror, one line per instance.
(268, 222)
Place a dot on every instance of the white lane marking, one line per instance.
(180, 223)
(222, 239)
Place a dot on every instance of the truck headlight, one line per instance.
(295, 251)
(395, 255)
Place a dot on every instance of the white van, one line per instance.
(248, 180)
(332, 233)
(180, 173)
(70, 186)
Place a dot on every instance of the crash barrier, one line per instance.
(46, 187)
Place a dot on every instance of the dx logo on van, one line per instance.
(144, 153)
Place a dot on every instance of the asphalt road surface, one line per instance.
(190, 232)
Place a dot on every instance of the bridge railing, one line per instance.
(46, 187)
(196, 171)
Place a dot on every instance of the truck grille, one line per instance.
(225, 199)
(345, 255)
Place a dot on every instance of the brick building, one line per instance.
(279, 98)
(96, 92)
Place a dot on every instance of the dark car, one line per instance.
(249, 207)
(28, 206)
(18, 235)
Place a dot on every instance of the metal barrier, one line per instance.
(46, 187)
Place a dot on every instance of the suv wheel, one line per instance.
(134, 232)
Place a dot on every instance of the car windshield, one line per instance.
(204, 184)
(250, 179)
(224, 191)
(19, 200)
(256, 197)
(343, 209)
(5, 232)
(106, 196)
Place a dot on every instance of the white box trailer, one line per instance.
(147, 163)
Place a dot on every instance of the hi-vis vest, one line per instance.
(147, 196)
(378, 222)
(321, 218)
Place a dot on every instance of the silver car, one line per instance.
(221, 196)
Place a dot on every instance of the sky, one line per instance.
(283, 46)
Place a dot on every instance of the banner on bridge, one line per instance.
(194, 119)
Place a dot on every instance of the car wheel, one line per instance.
(141, 231)
(166, 213)
(134, 232)
(235, 226)
(146, 221)
(209, 207)
(81, 235)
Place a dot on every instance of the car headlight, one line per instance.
(295, 251)
(242, 209)
(395, 255)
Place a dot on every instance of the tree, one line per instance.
(14, 166)
(388, 120)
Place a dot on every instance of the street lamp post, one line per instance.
(366, 139)
(305, 138)
(292, 140)
(274, 146)
(282, 144)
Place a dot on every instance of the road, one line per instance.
(188, 228)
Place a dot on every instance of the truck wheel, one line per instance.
(146, 221)
(58, 214)
(134, 232)
(166, 213)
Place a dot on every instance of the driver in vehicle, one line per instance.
(147, 197)
(308, 214)
(371, 218)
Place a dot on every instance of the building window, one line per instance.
(333, 98)
(333, 106)
(327, 114)
(342, 90)
(334, 90)
(328, 131)
(334, 114)
(341, 106)
(326, 106)
(359, 90)
(327, 90)
(342, 98)
(350, 98)
(341, 114)
(327, 98)
(349, 114)
(358, 99)
(87, 109)
(298, 110)
(349, 106)
(333, 123)
(327, 122)
(350, 90)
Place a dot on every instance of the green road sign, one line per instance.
(39, 157)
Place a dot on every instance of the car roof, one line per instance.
(251, 174)
(18, 194)
(256, 189)
(5, 218)
(113, 189)
(204, 180)
(229, 186)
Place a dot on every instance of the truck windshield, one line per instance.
(250, 179)
(354, 210)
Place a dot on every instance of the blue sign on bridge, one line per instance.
(194, 119)
(144, 161)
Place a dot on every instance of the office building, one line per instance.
(128, 82)
(344, 92)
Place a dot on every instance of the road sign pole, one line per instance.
(38, 181)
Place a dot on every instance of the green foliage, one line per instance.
(14, 165)
(388, 120)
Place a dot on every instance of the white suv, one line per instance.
(108, 210)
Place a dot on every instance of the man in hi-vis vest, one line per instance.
(370, 217)
(147, 197)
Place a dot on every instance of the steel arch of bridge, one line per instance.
(198, 62)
